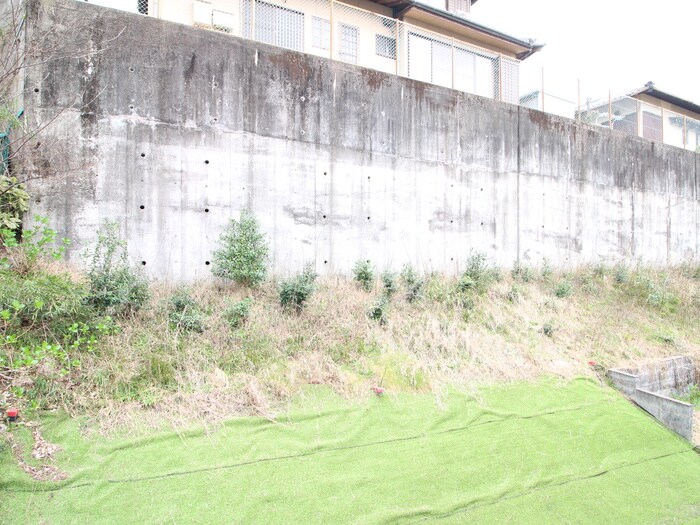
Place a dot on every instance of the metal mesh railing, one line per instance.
(144, 7)
(634, 117)
(376, 40)
(370, 39)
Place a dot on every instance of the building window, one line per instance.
(349, 38)
(385, 46)
(476, 73)
(459, 7)
(321, 33)
(429, 60)
(274, 25)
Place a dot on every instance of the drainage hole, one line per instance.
(143, 155)
(207, 263)
(206, 210)
(206, 162)
(36, 90)
(143, 263)
(142, 207)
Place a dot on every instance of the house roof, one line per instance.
(651, 90)
(393, 3)
(522, 49)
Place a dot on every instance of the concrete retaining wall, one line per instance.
(174, 130)
(674, 414)
(650, 385)
(668, 376)
(623, 381)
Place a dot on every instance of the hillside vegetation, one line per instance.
(131, 356)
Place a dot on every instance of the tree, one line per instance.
(242, 252)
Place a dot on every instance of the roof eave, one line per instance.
(650, 89)
(528, 47)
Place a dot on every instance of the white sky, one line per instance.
(615, 44)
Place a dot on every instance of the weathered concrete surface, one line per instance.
(674, 414)
(667, 376)
(623, 381)
(650, 385)
(178, 128)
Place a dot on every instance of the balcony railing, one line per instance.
(346, 33)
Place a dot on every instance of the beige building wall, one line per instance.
(361, 32)
(674, 121)
(368, 20)
(666, 105)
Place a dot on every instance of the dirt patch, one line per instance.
(41, 450)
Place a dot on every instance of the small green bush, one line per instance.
(440, 290)
(466, 301)
(692, 396)
(37, 243)
(41, 302)
(242, 253)
(185, 314)
(659, 295)
(521, 272)
(413, 283)
(548, 329)
(546, 270)
(114, 287)
(378, 311)
(294, 292)
(389, 283)
(478, 276)
(600, 271)
(621, 273)
(363, 273)
(514, 294)
(563, 289)
(14, 201)
(236, 314)
(695, 274)
(46, 316)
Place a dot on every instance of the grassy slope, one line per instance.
(177, 377)
(526, 453)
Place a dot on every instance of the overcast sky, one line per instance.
(614, 44)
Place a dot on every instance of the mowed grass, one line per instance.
(544, 452)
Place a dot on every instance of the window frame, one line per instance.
(389, 42)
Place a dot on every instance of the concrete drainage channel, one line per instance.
(652, 387)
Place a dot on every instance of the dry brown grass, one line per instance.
(151, 373)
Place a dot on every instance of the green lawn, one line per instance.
(527, 453)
